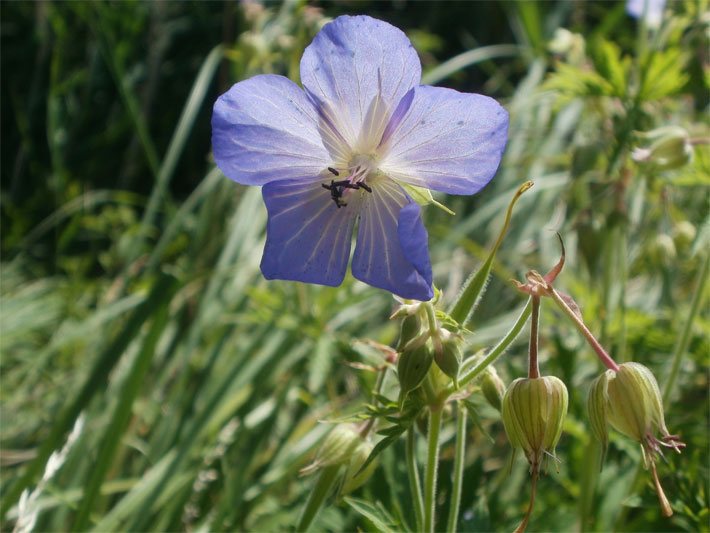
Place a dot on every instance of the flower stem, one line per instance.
(498, 349)
(459, 456)
(414, 484)
(682, 344)
(432, 466)
(533, 489)
(666, 508)
(320, 492)
(378, 388)
(533, 366)
(605, 358)
(431, 318)
(622, 247)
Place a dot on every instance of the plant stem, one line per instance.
(533, 489)
(414, 484)
(432, 466)
(431, 318)
(622, 246)
(458, 468)
(498, 349)
(594, 343)
(682, 344)
(364, 432)
(533, 367)
(320, 492)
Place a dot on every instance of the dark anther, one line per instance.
(336, 192)
(337, 188)
(333, 171)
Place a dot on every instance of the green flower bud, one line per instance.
(354, 478)
(336, 449)
(411, 325)
(534, 410)
(449, 357)
(684, 234)
(629, 399)
(597, 402)
(412, 368)
(567, 44)
(493, 387)
(669, 148)
(662, 250)
(635, 405)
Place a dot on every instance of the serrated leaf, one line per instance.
(376, 514)
(383, 445)
(611, 66)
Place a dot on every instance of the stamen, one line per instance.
(333, 171)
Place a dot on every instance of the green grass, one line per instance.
(132, 298)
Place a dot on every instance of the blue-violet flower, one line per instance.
(345, 147)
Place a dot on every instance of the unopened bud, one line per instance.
(567, 44)
(597, 402)
(355, 477)
(633, 398)
(412, 368)
(684, 234)
(662, 250)
(534, 410)
(411, 325)
(336, 448)
(493, 387)
(669, 148)
(629, 399)
(448, 358)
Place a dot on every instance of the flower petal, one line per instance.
(307, 236)
(445, 140)
(351, 61)
(391, 251)
(266, 129)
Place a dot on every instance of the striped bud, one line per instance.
(354, 478)
(448, 358)
(629, 399)
(597, 402)
(411, 325)
(412, 368)
(336, 448)
(534, 410)
(493, 387)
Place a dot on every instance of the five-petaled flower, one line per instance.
(341, 149)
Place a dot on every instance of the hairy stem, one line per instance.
(533, 489)
(459, 456)
(584, 330)
(682, 344)
(497, 350)
(533, 366)
(317, 497)
(414, 483)
(432, 466)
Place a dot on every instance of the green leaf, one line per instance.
(423, 196)
(375, 513)
(473, 289)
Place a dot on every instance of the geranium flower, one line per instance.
(345, 147)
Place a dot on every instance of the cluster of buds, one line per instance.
(426, 349)
(626, 397)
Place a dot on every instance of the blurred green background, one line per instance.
(133, 309)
